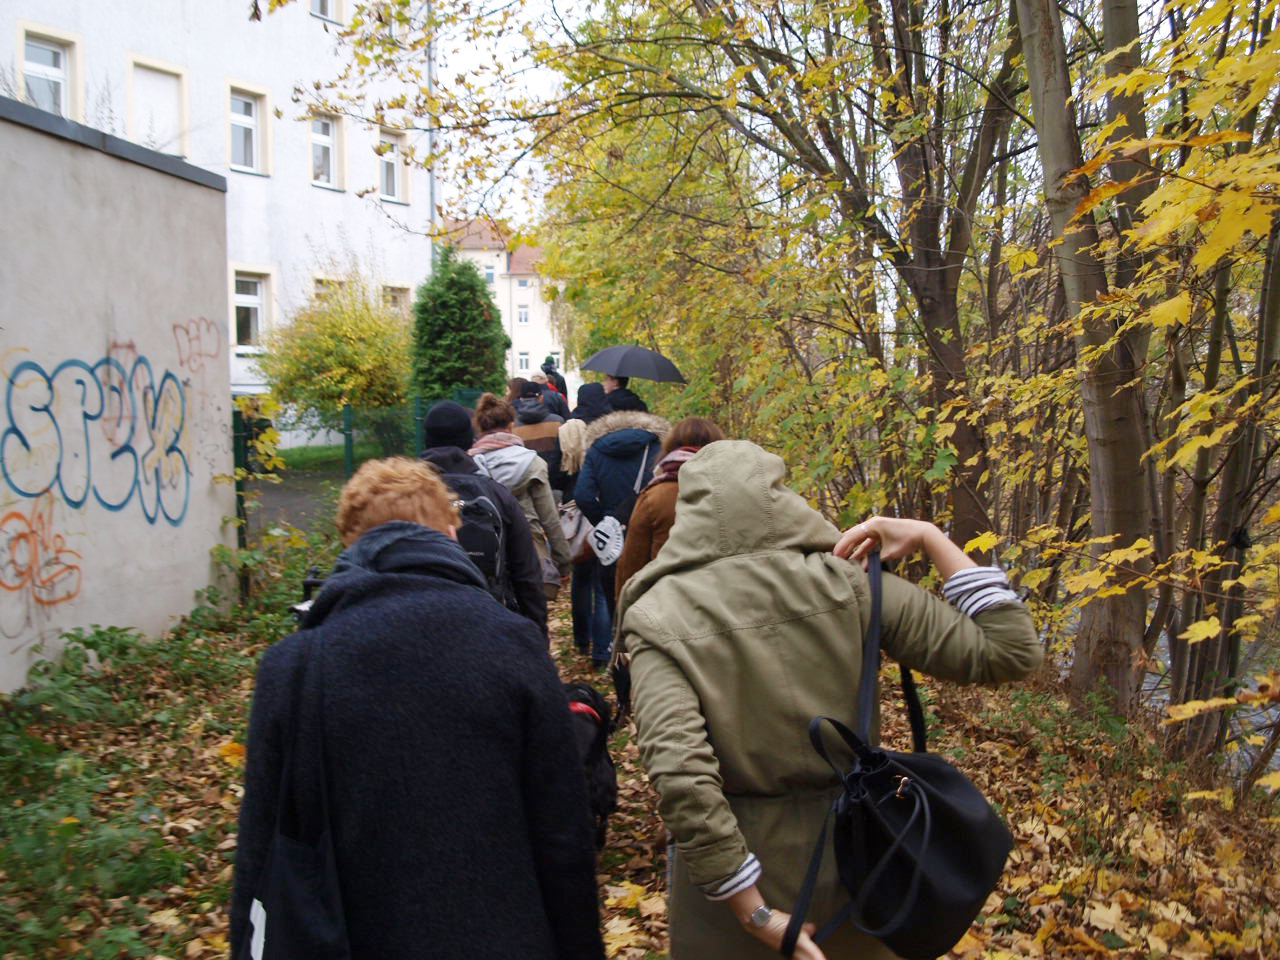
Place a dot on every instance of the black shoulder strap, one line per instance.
(870, 652)
(867, 695)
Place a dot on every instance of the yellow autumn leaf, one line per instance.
(1172, 311)
(1193, 708)
(626, 895)
(1201, 630)
(1089, 580)
(68, 821)
(619, 933)
(232, 752)
(1229, 855)
(167, 919)
(982, 542)
(1271, 781)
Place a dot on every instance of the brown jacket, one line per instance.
(651, 520)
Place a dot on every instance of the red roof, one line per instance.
(488, 235)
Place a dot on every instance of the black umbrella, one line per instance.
(634, 362)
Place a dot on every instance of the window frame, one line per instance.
(490, 275)
(391, 293)
(332, 14)
(71, 45)
(261, 97)
(522, 314)
(522, 362)
(335, 146)
(265, 276)
(392, 159)
(184, 103)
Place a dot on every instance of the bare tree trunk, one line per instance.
(1109, 642)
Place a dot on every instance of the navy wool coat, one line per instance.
(457, 801)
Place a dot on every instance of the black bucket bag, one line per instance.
(918, 847)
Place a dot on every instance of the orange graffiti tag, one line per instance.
(33, 558)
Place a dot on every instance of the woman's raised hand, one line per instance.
(898, 537)
(895, 537)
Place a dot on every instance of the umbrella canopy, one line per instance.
(634, 362)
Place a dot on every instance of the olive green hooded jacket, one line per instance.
(743, 629)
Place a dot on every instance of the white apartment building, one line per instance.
(516, 286)
(309, 196)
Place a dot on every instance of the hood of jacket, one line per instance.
(733, 501)
(507, 465)
(450, 460)
(533, 410)
(398, 547)
(621, 433)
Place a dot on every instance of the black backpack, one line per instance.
(483, 535)
(591, 728)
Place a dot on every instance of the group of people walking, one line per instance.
(455, 803)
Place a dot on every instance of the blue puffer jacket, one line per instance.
(615, 445)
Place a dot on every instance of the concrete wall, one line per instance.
(114, 369)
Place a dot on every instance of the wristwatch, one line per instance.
(760, 916)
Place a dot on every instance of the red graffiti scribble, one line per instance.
(198, 340)
(117, 417)
(34, 559)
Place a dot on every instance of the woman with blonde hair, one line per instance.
(499, 453)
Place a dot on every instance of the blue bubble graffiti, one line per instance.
(102, 431)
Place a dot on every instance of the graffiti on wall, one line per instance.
(108, 433)
(34, 559)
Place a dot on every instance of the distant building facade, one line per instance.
(517, 289)
(309, 195)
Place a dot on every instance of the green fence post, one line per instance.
(348, 443)
(419, 427)
(240, 460)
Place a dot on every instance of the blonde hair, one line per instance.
(394, 489)
(493, 413)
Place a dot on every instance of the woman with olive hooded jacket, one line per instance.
(740, 631)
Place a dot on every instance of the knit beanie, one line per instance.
(449, 425)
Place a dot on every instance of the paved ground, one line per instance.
(304, 498)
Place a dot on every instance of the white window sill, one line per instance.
(249, 350)
(248, 170)
(321, 17)
(397, 200)
(328, 186)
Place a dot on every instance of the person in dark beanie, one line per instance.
(553, 375)
(448, 436)
(453, 791)
(619, 397)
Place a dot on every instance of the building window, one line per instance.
(324, 151)
(158, 108)
(555, 359)
(522, 282)
(324, 287)
(45, 70)
(488, 274)
(246, 132)
(397, 298)
(522, 313)
(523, 362)
(326, 9)
(391, 177)
(249, 303)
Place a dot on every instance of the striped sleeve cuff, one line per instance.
(978, 588)
(746, 875)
